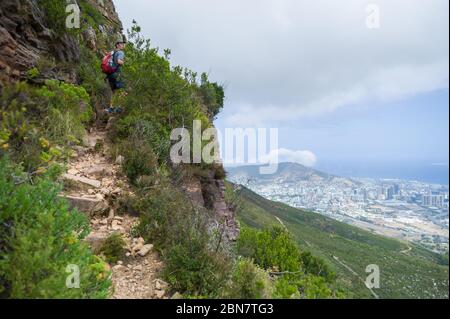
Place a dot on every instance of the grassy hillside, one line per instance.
(407, 270)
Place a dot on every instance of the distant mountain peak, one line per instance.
(287, 171)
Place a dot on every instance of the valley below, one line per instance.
(406, 210)
(407, 269)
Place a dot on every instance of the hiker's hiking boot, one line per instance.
(114, 110)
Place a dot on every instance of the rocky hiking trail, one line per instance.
(95, 182)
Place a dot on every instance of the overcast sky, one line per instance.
(336, 89)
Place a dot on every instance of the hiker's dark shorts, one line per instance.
(114, 83)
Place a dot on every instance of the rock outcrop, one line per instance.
(209, 192)
(26, 36)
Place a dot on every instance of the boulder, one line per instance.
(98, 170)
(91, 206)
(119, 267)
(120, 159)
(161, 285)
(177, 295)
(90, 38)
(160, 294)
(193, 188)
(115, 225)
(136, 248)
(72, 171)
(80, 150)
(145, 250)
(95, 240)
(83, 180)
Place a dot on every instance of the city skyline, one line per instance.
(406, 210)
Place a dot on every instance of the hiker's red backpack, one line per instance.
(107, 63)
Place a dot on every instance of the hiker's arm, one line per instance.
(120, 57)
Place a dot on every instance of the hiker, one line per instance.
(111, 66)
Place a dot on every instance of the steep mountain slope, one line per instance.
(407, 270)
(52, 100)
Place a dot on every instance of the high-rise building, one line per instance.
(426, 200)
(433, 200)
(390, 193)
(396, 190)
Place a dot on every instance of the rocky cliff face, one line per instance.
(26, 36)
(209, 191)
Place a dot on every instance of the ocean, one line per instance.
(437, 173)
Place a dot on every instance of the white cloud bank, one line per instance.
(286, 59)
(306, 158)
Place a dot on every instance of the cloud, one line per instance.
(283, 60)
(306, 158)
(439, 164)
(383, 85)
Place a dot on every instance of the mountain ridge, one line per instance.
(288, 171)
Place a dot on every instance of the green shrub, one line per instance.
(299, 274)
(286, 288)
(32, 73)
(316, 266)
(55, 12)
(249, 282)
(305, 286)
(139, 159)
(113, 248)
(146, 128)
(195, 270)
(39, 238)
(270, 249)
(92, 79)
(219, 171)
(91, 15)
(144, 143)
(168, 217)
(213, 95)
(66, 97)
(194, 262)
(62, 128)
(315, 287)
(38, 124)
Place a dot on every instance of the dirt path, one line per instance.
(281, 222)
(356, 275)
(406, 251)
(96, 182)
